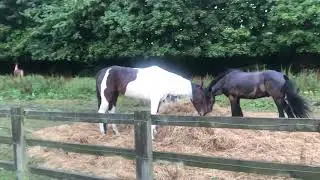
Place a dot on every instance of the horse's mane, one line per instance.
(220, 76)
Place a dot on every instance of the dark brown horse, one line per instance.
(236, 84)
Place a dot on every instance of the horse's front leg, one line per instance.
(155, 103)
(234, 106)
(239, 108)
(240, 111)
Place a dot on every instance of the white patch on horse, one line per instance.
(104, 103)
(101, 128)
(154, 83)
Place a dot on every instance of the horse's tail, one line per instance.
(298, 104)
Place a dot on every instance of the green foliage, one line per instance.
(294, 24)
(86, 30)
(14, 32)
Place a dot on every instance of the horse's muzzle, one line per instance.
(201, 113)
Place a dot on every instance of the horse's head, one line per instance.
(201, 99)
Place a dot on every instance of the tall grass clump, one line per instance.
(307, 81)
(40, 87)
(82, 88)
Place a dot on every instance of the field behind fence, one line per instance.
(143, 152)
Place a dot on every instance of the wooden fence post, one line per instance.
(143, 145)
(18, 142)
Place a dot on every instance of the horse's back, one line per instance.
(241, 78)
(142, 82)
(115, 78)
(154, 81)
(161, 80)
(272, 75)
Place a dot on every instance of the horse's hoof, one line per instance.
(117, 134)
(103, 134)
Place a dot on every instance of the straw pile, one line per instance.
(284, 147)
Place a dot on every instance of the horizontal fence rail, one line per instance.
(4, 113)
(267, 168)
(143, 152)
(273, 124)
(5, 140)
(80, 117)
(64, 175)
(83, 148)
(8, 165)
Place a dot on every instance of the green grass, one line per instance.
(38, 87)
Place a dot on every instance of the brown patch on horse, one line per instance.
(117, 81)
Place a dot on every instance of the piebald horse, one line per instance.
(151, 83)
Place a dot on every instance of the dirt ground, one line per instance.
(283, 147)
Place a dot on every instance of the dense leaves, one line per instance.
(87, 30)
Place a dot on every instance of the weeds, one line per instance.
(39, 87)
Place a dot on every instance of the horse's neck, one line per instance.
(16, 67)
(216, 89)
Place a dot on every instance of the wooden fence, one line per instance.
(143, 153)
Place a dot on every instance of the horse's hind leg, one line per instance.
(102, 109)
(113, 97)
(114, 126)
(235, 106)
(288, 110)
(280, 106)
(240, 111)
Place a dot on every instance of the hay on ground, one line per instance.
(283, 147)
